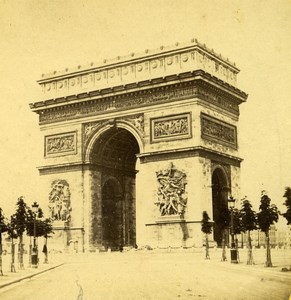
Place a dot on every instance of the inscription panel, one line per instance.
(171, 127)
(219, 131)
(61, 144)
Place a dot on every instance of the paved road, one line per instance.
(152, 276)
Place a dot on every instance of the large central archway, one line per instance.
(114, 155)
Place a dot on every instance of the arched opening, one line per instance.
(220, 191)
(114, 158)
(111, 216)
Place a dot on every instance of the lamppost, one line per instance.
(233, 250)
(34, 254)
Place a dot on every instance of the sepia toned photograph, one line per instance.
(145, 150)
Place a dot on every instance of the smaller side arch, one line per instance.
(223, 175)
(220, 191)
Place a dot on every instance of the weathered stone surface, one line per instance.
(117, 126)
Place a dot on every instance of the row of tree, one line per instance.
(23, 220)
(246, 220)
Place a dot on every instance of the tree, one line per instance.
(31, 218)
(224, 220)
(267, 215)
(20, 219)
(287, 203)
(206, 228)
(249, 223)
(46, 228)
(12, 233)
(3, 228)
(237, 227)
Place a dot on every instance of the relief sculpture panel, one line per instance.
(171, 127)
(59, 201)
(171, 198)
(218, 131)
(60, 144)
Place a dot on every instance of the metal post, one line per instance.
(233, 250)
(34, 254)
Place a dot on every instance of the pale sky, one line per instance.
(39, 36)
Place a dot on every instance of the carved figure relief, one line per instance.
(59, 201)
(137, 121)
(90, 128)
(218, 130)
(171, 127)
(171, 198)
(60, 144)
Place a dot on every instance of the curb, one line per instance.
(29, 276)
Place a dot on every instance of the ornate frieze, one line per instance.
(59, 201)
(219, 131)
(171, 127)
(136, 99)
(61, 144)
(171, 198)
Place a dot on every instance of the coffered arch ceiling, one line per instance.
(115, 148)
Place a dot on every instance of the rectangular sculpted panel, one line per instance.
(171, 127)
(61, 144)
(218, 131)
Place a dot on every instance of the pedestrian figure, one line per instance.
(236, 247)
(44, 250)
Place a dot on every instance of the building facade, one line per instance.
(137, 147)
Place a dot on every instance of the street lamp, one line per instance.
(233, 250)
(34, 254)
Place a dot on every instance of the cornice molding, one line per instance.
(190, 152)
(195, 85)
(148, 157)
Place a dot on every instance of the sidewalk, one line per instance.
(9, 277)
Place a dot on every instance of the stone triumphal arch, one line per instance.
(137, 147)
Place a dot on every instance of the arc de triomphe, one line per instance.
(137, 147)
